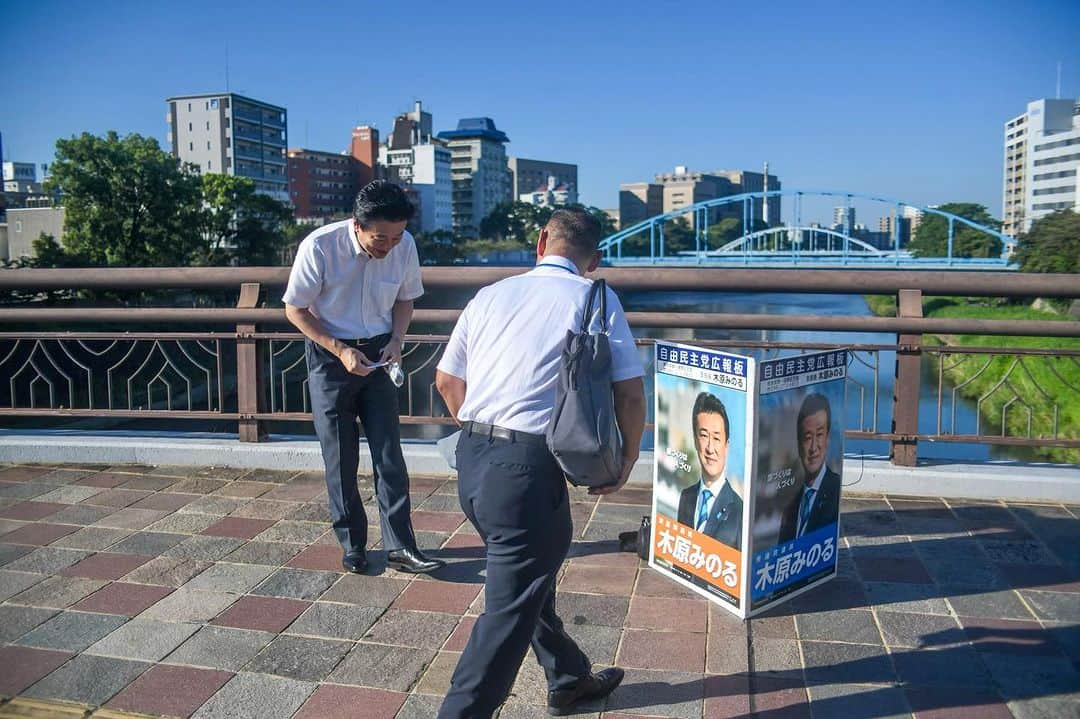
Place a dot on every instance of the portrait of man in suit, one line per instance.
(817, 503)
(713, 505)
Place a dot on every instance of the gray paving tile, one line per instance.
(69, 494)
(146, 639)
(848, 625)
(265, 509)
(335, 621)
(311, 512)
(83, 514)
(965, 572)
(1017, 552)
(1058, 606)
(855, 700)
(297, 584)
(599, 643)
(47, 560)
(576, 608)
(166, 571)
(293, 532)
(958, 666)
(88, 680)
(130, 518)
(273, 476)
(302, 658)
(836, 663)
(774, 655)
(382, 666)
(419, 706)
(902, 629)
(220, 648)
(16, 621)
(273, 554)
(235, 578)
(427, 630)
(184, 523)
(92, 538)
(58, 592)
(150, 544)
(658, 693)
(968, 602)
(10, 552)
(903, 597)
(25, 490)
(190, 605)
(207, 549)
(1022, 677)
(256, 696)
(214, 505)
(72, 631)
(11, 583)
(1045, 708)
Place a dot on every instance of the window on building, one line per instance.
(189, 107)
(189, 127)
(191, 146)
(207, 144)
(18, 225)
(214, 103)
(207, 124)
(209, 164)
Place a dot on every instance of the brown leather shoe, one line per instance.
(561, 701)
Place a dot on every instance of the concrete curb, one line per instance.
(991, 480)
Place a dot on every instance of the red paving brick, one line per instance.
(108, 480)
(907, 571)
(727, 696)
(779, 698)
(22, 474)
(23, 666)
(331, 701)
(674, 651)
(117, 497)
(1039, 576)
(596, 579)
(106, 565)
(165, 501)
(460, 636)
(955, 703)
(679, 615)
(123, 598)
(296, 491)
(31, 511)
(320, 557)
(436, 596)
(244, 490)
(652, 583)
(170, 691)
(238, 527)
(39, 533)
(426, 521)
(464, 539)
(1005, 636)
(268, 614)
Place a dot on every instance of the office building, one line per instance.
(682, 188)
(419, 162)
(1042, 156)
(26, 224)
(843, 220)
(322, 185)
(230, 134)
(530, 175)
(478, 171)
(746, 181)
(21, 177)
(639, 201)
(553, 193)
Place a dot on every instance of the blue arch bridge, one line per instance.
(795, 243)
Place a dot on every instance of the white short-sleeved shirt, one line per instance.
(351, 292)
(507, 345)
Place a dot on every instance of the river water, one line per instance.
(859, 406)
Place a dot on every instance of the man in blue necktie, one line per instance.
(713, 505)
(817, 503)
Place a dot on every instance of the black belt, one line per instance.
(493, 431)
(367, 341)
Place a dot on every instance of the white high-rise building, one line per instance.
(481, 178)
(1042, 159)
(229, 134)
(414, 159)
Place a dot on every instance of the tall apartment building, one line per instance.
(1042, 159)
(322, 185)
(230, 134)
(478, 170)
(843, 219)
(639, 201)
(529, 176)
(553, 193)
(888, 224)
(364, 148)
(414, 159)
(21, 177)
(749, 181)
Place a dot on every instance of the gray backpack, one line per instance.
(582, 433)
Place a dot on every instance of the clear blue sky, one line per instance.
(904, 100)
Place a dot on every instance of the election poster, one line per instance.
(798, 469)
(702, 464)
(747, 473)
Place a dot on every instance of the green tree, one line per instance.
(127, 202)
(441, 247)
(520, 222)
(239, 225)
(1052, 244)
(932, 237)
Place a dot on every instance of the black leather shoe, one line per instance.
(355, 562)
(412, 560)
(561, 701)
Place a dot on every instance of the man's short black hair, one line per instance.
(576, 229)
(710, 404)
(813, 404)
(382, 200)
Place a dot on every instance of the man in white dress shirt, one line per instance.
(498, 377)
(351, 293)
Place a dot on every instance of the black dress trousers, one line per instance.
(338, 399)
(515, 495)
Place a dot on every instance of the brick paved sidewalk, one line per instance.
(218, 593)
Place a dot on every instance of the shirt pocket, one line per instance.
(385, 295)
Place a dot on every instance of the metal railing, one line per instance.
(245, 371)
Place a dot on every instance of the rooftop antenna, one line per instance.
(1059, 80)
(226, 67)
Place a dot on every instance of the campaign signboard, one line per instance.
(746, 485)
(703, 411)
